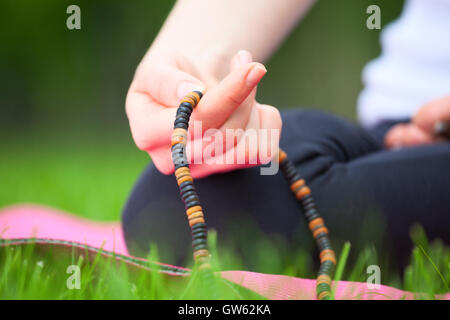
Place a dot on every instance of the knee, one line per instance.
(152, 215)
(308, 124)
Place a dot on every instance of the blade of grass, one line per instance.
(340, 266)
(435, 268)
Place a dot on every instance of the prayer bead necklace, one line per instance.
(194, 210)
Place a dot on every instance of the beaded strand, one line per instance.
(315, 223)
(194, 209)
(188, 193)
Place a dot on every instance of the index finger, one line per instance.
(221, 101)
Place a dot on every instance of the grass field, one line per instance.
(90, 173)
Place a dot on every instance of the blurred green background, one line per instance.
(64, 136)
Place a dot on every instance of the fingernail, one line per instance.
(186, 87)
(244, 57)
(255, 74)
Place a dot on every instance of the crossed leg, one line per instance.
(356, 183)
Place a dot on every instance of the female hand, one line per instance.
(422, 128)
(162, 80)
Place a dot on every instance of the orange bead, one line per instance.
(201, 253)
(319, 230)
(314, 223)
(193, 209)
(323, 294)
(323, 278)
(189, 100)
(302, 192)
(179, 132)
(195, 215)
(184, 178)
(195, 221)
(328, 257)
(181, 172)
(297, 184)
(178, 139)
(203, 259)
(195, 96)
(281, 155)
(326, 251)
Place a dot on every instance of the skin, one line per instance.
(420, 130)
(206, 45)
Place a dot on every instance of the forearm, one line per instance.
(209, 32)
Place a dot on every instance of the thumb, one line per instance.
(168, 85)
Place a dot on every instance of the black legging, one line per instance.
(364, 192)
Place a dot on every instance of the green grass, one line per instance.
(29, 273)
(91, 173)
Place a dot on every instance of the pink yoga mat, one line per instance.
(56, 228)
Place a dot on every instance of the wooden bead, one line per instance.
(182, 171)
(200, 227)
(281, 155)
(193, 209)
(319, 230)
(194, 95)
(189, 100)
(178, 139)
(200, 246)
(324, 278)
(191, 204)
(323, 295)
(323, 243)
(314, 223)
(302, 192)
(195, 221)
(326, 251)
(179, 132)
(201, 253)
(328, 257)
(297, 184)
(184, 178)
(179, 135)
(198, 214)
(192, 197)
(199, 93)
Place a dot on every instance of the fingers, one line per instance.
(240, 116)
(151, 124)
(241, 58)
(159, 87)
(432, 113)
(221, 101)
(270, 121)
(166, 84)
(150, 105)
(406, 135)
(257, 145)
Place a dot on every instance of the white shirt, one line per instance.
(414, 66)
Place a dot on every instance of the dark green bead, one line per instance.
(200, 94)
(191, 204)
